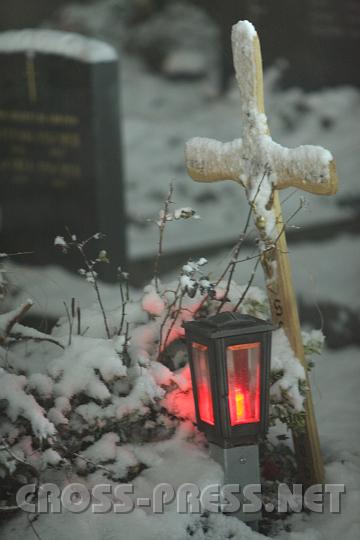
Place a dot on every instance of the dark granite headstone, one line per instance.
(60, 152)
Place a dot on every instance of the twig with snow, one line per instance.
(89, 272)
(94, 282)
(166, 318)
(173, 322)
(263, 252)
(230, 267)
(125, 297)
(248, 285)
(161, 223)
(10, 329)
(78, 319)
(70, 321)
(18, 316)
(37, 339)
(24, 464)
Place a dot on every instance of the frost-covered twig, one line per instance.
(90, 268)
(90, 462)
(18, 316)
(189, 284)
(125, 296)
(6, 255)
(125, 352)
(37, 339)
(70, 321)
(24, 463)
(249, 283)
(31, 523)
(231, 269)
(73, 315)
(173, 322)
(161, 223)
(89, 273)
(78, 319)
(166, 318)
(11, 329)
(267, 249)
(3, 270)
(71, 453)
(235, 252)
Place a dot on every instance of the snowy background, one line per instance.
(162, 107)
(169, 94)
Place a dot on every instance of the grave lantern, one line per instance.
(230, 369)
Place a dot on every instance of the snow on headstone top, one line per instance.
(56, 42)
(60, 143)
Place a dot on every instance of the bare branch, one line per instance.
(18, 338)
(161, 224)
(96, 287)
(250, 282)
(70, 321)
(175, 318)
(125, 295)
(73, 242)
(78, 318)
(18, 316)
(166, 318)
(31, 520)
(234, 259)
(259, 256)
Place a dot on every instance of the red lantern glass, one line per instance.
(243, 373)
(229, 356)
(203, 382)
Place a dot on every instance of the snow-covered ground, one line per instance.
(159, 115)
(337, 403)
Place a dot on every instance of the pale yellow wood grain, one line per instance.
(220, 161)
(284, 311)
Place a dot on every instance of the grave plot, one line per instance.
(60, 153)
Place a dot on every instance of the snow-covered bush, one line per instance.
(88, 397)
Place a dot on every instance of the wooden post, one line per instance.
(245, 161)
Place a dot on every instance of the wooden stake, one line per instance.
(209, 160)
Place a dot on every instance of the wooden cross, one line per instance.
(263, 167)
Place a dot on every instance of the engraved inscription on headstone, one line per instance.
(60, 154)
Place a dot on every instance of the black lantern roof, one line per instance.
(228, 324)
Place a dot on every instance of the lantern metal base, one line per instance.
(241, 466)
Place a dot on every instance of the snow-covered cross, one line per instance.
(263, 167)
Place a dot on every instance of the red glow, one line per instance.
(241, 411)
(205, 404)
(203, 383)
(244, 383)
